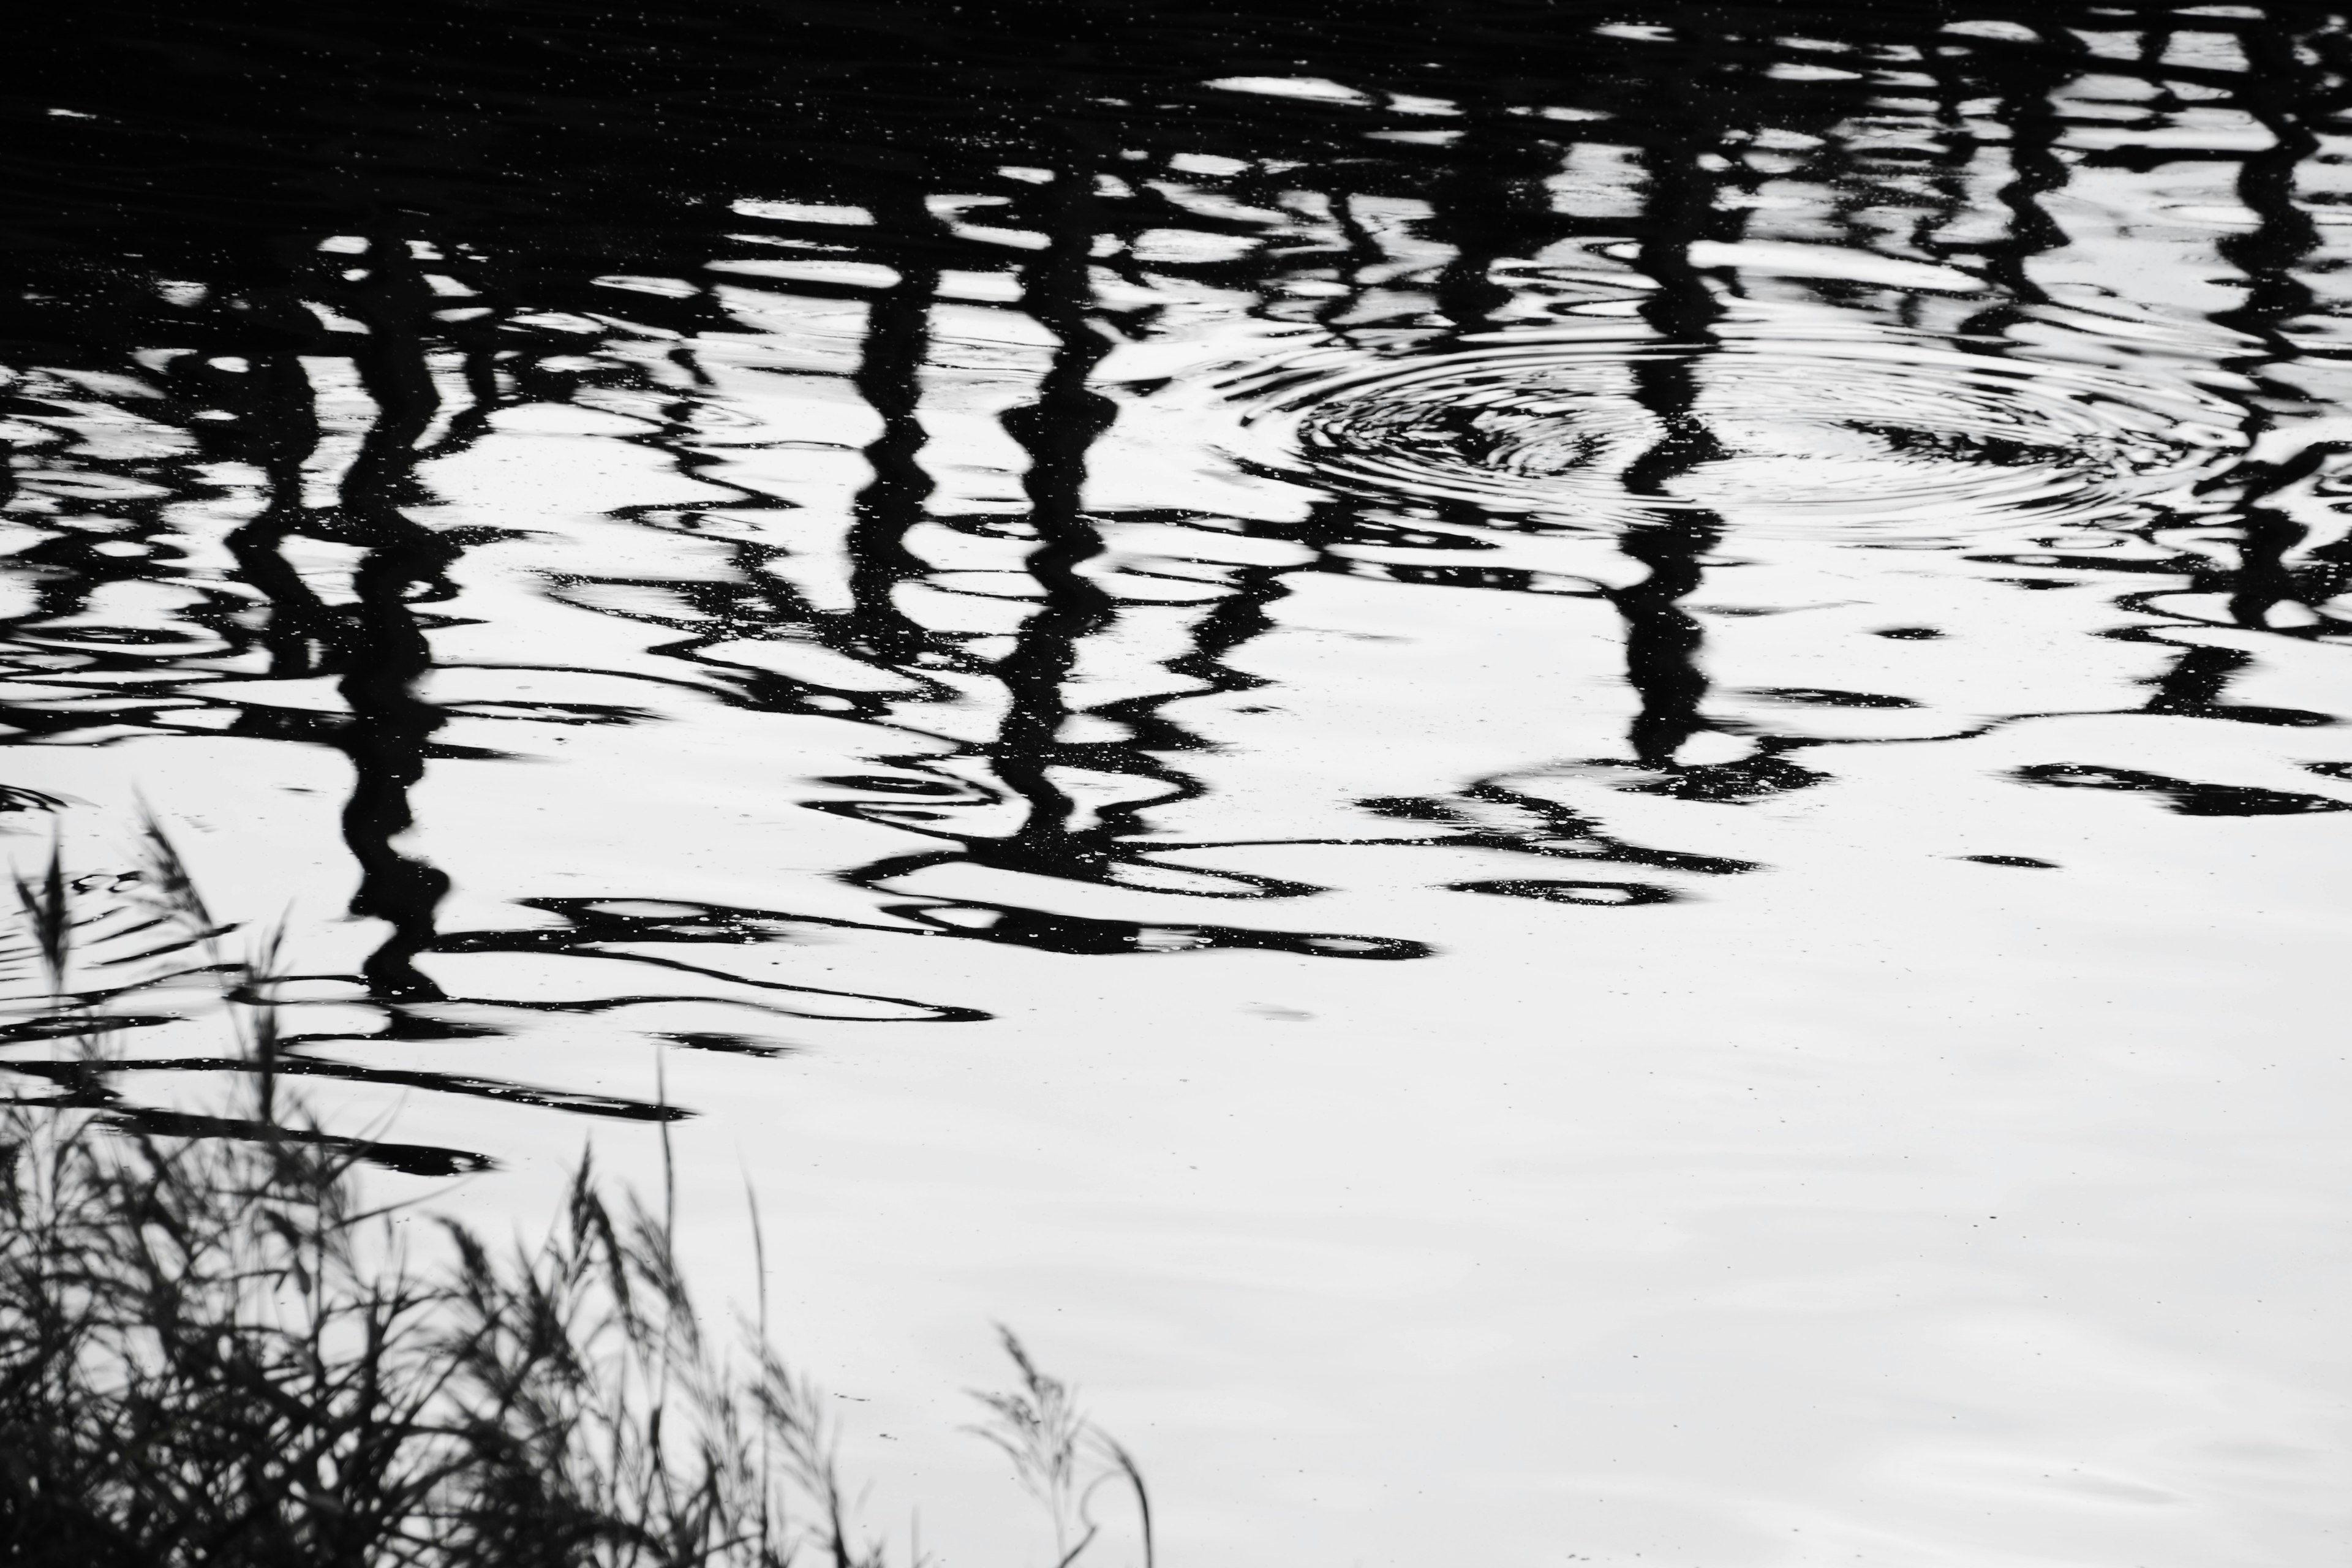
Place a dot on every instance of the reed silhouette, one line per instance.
(215, 1349)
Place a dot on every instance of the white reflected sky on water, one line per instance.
(1874, 1204)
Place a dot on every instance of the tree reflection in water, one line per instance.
(260, 281)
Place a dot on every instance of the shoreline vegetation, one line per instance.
(213, 1350)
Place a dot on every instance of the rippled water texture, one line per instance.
(1809, 429)
(1568, 780)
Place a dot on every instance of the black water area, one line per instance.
(1569, 776)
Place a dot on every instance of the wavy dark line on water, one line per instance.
(2188, 797)
(369, 253)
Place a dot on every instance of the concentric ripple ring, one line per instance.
(1886, 436)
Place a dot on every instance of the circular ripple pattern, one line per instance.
(1883, 437)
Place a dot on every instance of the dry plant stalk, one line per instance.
(212, 1352)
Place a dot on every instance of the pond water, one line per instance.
(1567, 780)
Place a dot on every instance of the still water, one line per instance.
(1566, 780)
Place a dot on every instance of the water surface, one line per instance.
(1566, 779)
